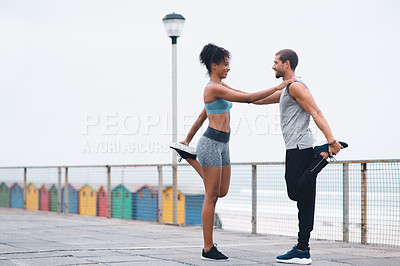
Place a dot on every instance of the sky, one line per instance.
(90, 82)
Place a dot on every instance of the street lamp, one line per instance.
(173, 24)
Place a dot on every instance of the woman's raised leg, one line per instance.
(196, 165)
(225, 181)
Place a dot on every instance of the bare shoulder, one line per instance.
(297, 86)
(297, 89)
(213, 91)
(214, 88)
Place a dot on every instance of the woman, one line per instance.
(213, 147)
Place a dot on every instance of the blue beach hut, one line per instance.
(194, 197)
(16, 196)
(193, 206)
(145, 204)
(72, 199)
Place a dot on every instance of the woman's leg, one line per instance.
(226, 171)
(212, 185)
(225, 181)
(196, 165)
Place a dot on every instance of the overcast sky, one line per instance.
(89, 82)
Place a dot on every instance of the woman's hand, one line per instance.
(285, 83)
(184, 142)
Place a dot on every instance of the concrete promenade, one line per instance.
(42, 238)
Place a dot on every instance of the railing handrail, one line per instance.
(391, 169)
(170, 164)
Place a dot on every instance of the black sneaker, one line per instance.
(213, 254)
(325, 148)
(295, 256)
(184, 151)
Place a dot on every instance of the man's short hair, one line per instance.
(287, 54)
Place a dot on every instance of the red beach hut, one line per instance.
(44, 199)
(102, 202)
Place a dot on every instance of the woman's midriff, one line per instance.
(220, 122)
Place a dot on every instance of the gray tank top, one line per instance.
(295, 122)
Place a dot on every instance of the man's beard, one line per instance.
(278, 74)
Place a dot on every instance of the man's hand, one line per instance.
(334, 148)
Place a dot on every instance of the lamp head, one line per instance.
(173, 24)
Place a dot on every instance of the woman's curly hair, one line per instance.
(212, 53)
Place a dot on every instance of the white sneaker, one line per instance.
(184, 151)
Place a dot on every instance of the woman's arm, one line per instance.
(196, 126)
(220, 91)
(274, 98)
(227, 86)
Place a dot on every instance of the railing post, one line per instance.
(66, 198)
(160, 194)
(345, 202)
(59, 207)
(364, 203)
(174, 194)
(254, 199)
(109, 196)
(25, 187)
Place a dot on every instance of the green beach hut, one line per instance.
(121, 202)
(53, 198)
(4, 195)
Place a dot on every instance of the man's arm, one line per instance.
(303, 96)
(274, 98)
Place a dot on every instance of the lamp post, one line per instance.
(173, 24)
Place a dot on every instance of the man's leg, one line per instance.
(306, 209)
(302, 168)
(298, 183)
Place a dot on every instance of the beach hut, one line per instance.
(193, 206)
(4, 195)
(72, 199)
(53, 199)
(101, 202)
(44, 198)
(16, 196)
(145, 204)
(32, 197)
(87, 201)
(167, 206)
(121, 202)
(194, 197)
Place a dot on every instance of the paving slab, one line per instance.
(43, 238)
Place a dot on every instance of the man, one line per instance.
(303, 162)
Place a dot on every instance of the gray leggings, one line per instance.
(213, 148)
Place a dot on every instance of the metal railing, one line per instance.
(357, 201)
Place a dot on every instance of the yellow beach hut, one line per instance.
(167, 206)
(87, 201)
(32, 197)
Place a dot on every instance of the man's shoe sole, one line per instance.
(302, 261)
